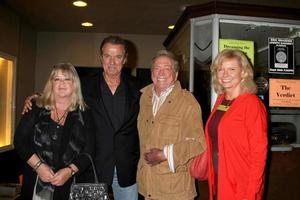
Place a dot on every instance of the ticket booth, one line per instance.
(202, 30)
(197, 38)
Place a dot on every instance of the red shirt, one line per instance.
(242, 145)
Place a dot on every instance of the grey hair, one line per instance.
(168, 54)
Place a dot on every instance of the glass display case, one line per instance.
(7, 100)
(196, 40)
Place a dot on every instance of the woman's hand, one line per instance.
(45, 173)
(61, 176)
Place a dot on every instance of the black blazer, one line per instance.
(120, 147)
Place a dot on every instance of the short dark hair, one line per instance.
(113, 39)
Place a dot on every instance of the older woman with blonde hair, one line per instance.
(53, 135)
(236, 131)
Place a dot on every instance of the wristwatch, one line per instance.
(72, 171)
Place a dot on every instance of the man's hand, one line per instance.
(154, 156)
(28, 104)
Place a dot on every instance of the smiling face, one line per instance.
(229, 75)
(163, 73)
(113, 58)
(63, 86)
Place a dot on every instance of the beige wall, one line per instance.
(82, 49)
(9, 31)
(36, 52)
(18, 39)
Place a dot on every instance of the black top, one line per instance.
(58, 146)
(56, 140)
(116, 145)
(114, 103)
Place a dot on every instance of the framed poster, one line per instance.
(284, 93)
(243, 45)
(281, 55)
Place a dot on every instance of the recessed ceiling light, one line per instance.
(87, 24)
(79, 3)
(171, 26)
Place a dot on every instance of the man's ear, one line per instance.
(101, 59)
(125, 59)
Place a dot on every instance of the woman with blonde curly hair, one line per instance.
(52, 136)
(236, 131)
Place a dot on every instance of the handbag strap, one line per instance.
(93, 166)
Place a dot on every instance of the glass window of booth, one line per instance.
(206, 35)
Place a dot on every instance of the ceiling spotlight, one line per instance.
(79, 3)
(171, 27)
(87, 24)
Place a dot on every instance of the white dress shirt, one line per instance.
(157, 101)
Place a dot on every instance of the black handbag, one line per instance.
(89, 191)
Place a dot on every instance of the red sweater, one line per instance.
(242, 143)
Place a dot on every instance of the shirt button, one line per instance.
(54, 137)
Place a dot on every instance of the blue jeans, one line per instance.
(124, 193)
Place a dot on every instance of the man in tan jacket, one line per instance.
(171, 134)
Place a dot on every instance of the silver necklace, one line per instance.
(59, 120)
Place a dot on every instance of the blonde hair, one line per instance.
(47, 100)
(247, 83)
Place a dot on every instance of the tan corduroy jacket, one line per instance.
(178, 122)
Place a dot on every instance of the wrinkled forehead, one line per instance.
(116, 48)
(163, 61)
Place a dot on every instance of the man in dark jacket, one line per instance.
(114, 100)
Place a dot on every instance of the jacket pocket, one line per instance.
(172, 183)
(169, 127)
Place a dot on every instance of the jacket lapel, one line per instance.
(131, 100)
(169, 100)
(102, 107)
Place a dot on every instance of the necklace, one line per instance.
(224, 106)
(60, 120)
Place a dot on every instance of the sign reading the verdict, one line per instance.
(284, 93)
(243, 45)
(281, 56)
